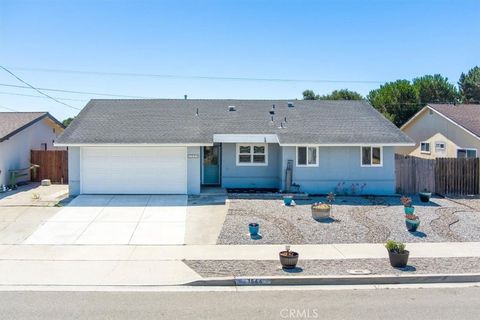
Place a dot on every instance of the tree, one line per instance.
(435, 89)
(398, 101)
(67, 121)
(469, 85)
(309, 95)
(342, 94)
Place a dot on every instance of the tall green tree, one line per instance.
(342, 94)
(67, 121)
(435, 89)
(397, 101)
(469, 85)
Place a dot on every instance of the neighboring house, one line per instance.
(444, 130)
(21, 132)
(177, 146)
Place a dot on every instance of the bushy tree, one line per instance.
(435, 89)
(397, 101)
(67, 121)
(342, 94)
(469, 85)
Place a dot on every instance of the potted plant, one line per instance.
(320, 211)
(287, 200)
(397, 254)
(253, 229)
(412, 222)
(288, 258)
(407, 205)
(425, 195)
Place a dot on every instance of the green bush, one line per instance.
(394, 246)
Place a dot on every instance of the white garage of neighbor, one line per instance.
(133, 170)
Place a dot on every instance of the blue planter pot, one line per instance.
(412, 225)
(425, 196)
(287, 200)
(253, 228)
(409, 210)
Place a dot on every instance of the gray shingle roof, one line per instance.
(466, 115)
(14, 122)
(175, 121)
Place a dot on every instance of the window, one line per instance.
(307, 157)
(43, 146)
(252, 154)
(371, 156)
(425, 147)
(440, 146)
(466, 153)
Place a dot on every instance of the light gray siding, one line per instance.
(74, 170)
(234, 176)
(193, 170)
(342, 164)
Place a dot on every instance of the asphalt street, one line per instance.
(431, 303)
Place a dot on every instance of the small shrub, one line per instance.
(394, 246)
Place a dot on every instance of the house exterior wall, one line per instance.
(238, 176)
(193, 170)
(15, 152)
(74, 171)
(342, 164)
(431, 127)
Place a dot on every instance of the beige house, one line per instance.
(444, 130)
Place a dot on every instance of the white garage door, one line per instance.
(134, 170)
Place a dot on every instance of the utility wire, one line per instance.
(77, 92)
(7, 108)
(39, 91)
(41, 97)
(198, 77)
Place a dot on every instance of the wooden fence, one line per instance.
(53, 165)
(443, 175)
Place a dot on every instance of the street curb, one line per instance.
(337, 280)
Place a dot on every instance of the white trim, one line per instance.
(132, 144)
(429, 147)
(307, 164)
(443, 116)
(361, 144)
(251, 163)
(245, 138)
(371, 157)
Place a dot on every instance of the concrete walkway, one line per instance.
(87, 265)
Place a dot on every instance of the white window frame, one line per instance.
(429, 147)
(440, 149)
(371, 157)
(307, 164)
(467, 149)
(251, 145)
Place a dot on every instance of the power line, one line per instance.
(41, 97)
(7, 108)
(77, 92)
(197, 77)
(39, 91)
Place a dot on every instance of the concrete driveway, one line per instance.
(116, 220)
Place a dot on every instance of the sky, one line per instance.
(166, 49)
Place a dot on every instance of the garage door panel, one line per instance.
(140, 170)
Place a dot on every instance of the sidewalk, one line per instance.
(31, 265)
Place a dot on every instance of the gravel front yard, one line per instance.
(355, 220)
(244, 268)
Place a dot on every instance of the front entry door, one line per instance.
(211, 165)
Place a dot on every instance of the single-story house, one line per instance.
(444, 130)
(21, 132)
(164, 146)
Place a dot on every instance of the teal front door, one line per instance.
(211, 165)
